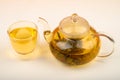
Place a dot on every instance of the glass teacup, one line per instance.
(23, 36)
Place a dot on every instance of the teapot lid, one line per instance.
(74, 26)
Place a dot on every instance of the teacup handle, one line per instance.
(104, 35)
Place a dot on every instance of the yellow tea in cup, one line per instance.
(23, 36)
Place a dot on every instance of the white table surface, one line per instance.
(103, 15)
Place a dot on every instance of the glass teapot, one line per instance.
(74, 41)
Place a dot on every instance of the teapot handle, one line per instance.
(109, 38)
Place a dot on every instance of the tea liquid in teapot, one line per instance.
(74, 51)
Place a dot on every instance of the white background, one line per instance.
(103, 15)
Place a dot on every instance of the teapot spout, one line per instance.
(48, 35)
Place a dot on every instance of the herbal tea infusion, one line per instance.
(23, 39)
(74, 51)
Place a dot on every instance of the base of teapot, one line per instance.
(74, 59)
